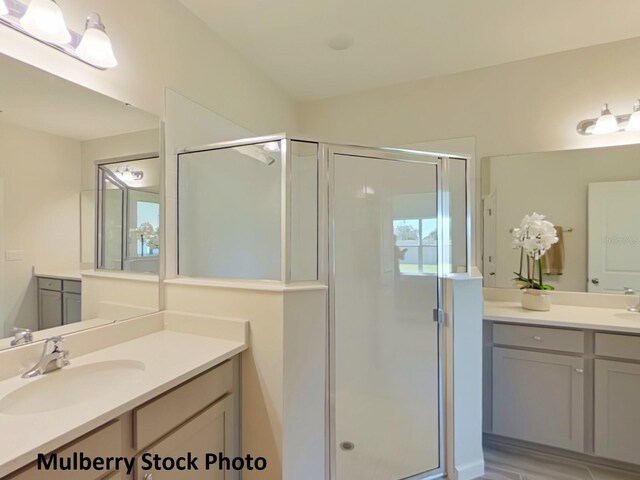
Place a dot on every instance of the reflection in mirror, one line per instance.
(51, 134)
(589, 195)
(129, 215)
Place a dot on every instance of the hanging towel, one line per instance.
(553, 260)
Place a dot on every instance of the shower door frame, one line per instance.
(328, 153)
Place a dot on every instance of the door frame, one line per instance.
(327, 157)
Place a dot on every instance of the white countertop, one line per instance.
(58, 273)
(170, 358)
(590, 318)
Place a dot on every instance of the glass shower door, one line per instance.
(385, 343)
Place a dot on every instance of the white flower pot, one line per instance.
(537, 300)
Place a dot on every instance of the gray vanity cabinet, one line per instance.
(211, 432)
(49, 309)
(617, 398)
(59, 302)
(539, 397)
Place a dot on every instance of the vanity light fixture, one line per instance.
(607, 122)
(43, 20)
(127, 174)
(634, 119)
(95, 46)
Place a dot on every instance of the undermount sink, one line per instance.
(628, 316)
(70, 386)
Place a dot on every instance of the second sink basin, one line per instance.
(70, 386)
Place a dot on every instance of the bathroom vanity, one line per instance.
(165, 385)
(567, 379)
(59, 300)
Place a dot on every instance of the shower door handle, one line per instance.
(438, 315)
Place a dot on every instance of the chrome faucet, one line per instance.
(21, 335)
(634, 308)
(48, 362)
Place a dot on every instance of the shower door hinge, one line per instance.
(438, 315)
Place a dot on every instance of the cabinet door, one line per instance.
(49, 309)
(539, 397)
(211, 432)
(71, 308)
(617, 411)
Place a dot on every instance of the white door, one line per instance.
(384, 290)
(614, 236)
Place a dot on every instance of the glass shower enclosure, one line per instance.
(379, 228)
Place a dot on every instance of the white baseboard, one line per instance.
(469, 471)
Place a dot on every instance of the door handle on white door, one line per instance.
(595, 281)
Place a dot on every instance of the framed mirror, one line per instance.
(55, 137)
(589, 195)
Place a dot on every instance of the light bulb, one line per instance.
(606, 123)
(95, 47)
(43, 19)
(3, 8)
(634, 119)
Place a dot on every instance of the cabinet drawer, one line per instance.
(158, 417)
(537, 337)
(104, 442)
(618, 346)
(50, 284)
(72, 286)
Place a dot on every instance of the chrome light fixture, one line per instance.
(43, 20)
(634, 119)
(607, 122)
(128, 174)
(95, 46)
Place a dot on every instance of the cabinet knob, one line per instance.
(580, 370)
(537, 338)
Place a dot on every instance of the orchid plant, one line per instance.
(533, 237)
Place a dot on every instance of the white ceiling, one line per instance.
(34, 99)
(402, 40)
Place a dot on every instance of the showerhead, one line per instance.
(263, 156)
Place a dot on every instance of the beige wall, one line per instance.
(562, 179)
(106, 148)
(41, 205)
(262, 364)
(527, 106)
(159, 43)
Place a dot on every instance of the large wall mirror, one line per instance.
(55, 140)
(591, 196)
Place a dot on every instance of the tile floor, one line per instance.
(507, 463)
